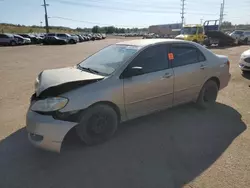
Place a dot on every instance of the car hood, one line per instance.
(57, 81)
(182, 36)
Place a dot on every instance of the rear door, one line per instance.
(4, 39)
(152, 88)
(62, 36)
(189, 65)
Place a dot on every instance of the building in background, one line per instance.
(166, 29)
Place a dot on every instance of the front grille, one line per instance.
(247, 60)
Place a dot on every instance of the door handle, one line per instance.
(203, 66)
(167, 75)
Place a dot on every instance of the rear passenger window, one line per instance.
(185, 54)
(2, 36)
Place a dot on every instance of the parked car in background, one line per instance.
(245, 37)
(92, 37)
(121, 82)
(244, 63)
(8, 39)
(75, 37)
(150, 36)
(236, 34)
(64, 36)
(34, 39)
(103, 36)
(98, 37)
(86, 37)
(53, 40)
(81, 38)
(22, 40)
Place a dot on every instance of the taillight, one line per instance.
(228, 63)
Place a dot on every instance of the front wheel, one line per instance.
(208, 94)
(13, 43)
(245, 72)
(72, 41)
(97, 124)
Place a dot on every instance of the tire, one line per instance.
(246, 41)
(208, 94)
(71, 41)
(221, 44)
(245, 72)
(97, 125)
(13, 43)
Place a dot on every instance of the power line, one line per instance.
(86, 5)
(97, 23)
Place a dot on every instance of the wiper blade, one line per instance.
(88, 70)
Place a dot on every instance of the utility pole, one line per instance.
(182, 11)
(46, 16)
(221, 13)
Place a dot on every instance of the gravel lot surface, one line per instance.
(180, 147)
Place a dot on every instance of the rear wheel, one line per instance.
(71, 41)
(221, 43)
(97, 124)
(246, 40)
(208, 94)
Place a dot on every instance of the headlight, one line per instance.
(37, 81)
(49, 104)
(247, 60)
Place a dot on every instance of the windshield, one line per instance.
(107, 60)
(238, 32)
(189, 30)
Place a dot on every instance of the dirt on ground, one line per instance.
(179, 147)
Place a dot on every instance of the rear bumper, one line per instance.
(224, 80)
(46, 132)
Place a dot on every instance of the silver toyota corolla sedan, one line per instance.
(121, 82)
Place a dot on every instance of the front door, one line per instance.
(150, 89)
(189, 66)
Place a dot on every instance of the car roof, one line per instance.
(147, 42)
(8, 34)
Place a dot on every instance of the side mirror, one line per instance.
(132, 71)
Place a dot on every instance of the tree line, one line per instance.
(111, 29)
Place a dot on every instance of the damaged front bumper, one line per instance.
(46, 132)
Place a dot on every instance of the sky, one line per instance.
(120, 13)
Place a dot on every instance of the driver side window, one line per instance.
(200, 31)
(152, 59)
